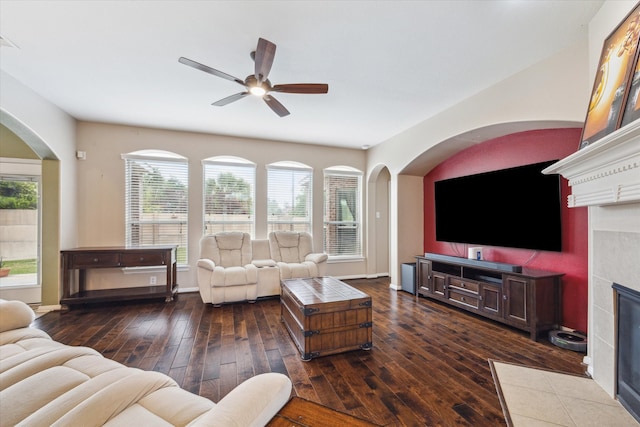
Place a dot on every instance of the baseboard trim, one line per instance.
(47, 308)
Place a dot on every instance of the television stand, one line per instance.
(520, 297)
(513, 268)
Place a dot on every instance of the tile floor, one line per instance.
(535, 397)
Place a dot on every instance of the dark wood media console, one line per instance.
(524, 298)
(82, 259)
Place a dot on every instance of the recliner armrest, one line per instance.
(206, 264)
(252, 403)
(317, 258)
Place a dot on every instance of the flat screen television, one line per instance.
(516, 208)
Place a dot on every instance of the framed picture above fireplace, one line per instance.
(611, 88)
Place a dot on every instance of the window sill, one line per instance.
(339, 259)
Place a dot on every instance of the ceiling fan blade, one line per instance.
(265, 52)
(302, 88)
(230, 99)
(209, 70)
(275, 106)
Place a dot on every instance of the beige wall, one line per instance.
(552, 93)
(101, 183)
(13, 147)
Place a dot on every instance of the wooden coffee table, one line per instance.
(299, 412)
(326, 316)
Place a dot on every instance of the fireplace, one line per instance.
(628, 348)
(605, 177)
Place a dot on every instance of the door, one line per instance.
(20, 242)
(516, 300)
(491, 300)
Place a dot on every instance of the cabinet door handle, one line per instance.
(96, 260)
(462, 299)
(141, 258)
(504, 297)
(462, 284)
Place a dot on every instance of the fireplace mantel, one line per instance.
(605, 172)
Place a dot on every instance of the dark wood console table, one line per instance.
(82, 259)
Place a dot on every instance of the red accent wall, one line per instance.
(518, 150)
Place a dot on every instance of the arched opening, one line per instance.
(49, 235)
(379, 233)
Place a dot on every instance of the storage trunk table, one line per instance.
(326, 316)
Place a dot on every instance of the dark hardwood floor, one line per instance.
(428, 365)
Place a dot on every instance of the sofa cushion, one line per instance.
(23, 398)
(285, 246)
(227, 249)
(14, 315)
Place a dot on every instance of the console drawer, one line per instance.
(467, 285)
(463, 298)
(81, 260)
(141, 259)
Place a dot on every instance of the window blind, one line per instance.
(156, 202)
(289, 188)
(342, 213)
(229, 195)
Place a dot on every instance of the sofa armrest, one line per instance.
(15, 315)
(206, 264)
(317, 258)
(260, 263)
(252, 403)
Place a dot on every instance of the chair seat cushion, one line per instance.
(235, 276)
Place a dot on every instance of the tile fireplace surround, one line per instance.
(605, 176)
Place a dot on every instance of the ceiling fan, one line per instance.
(257, 83)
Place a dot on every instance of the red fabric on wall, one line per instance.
(517, 150)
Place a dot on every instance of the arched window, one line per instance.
(229, 195)
(289, 189)
(343, 212)
(156, 204)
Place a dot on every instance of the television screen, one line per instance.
(517, 208)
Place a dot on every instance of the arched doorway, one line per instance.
(49, 236)
(379, 222)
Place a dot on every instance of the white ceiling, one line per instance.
(389, 64)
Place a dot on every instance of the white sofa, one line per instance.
(46, 383)
(272, 263)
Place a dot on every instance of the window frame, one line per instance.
(229, 161)
(155, 158)
(329, 201)
(293, 167)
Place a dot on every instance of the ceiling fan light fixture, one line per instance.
(257, 91)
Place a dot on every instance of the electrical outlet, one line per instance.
(152, 280)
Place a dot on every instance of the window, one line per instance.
(156, 201)
(289, 197)
(342, 207)
(229, 195)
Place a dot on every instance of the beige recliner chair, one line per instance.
(225, 272)
(293, 253)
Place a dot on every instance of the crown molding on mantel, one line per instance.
(605, 172)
